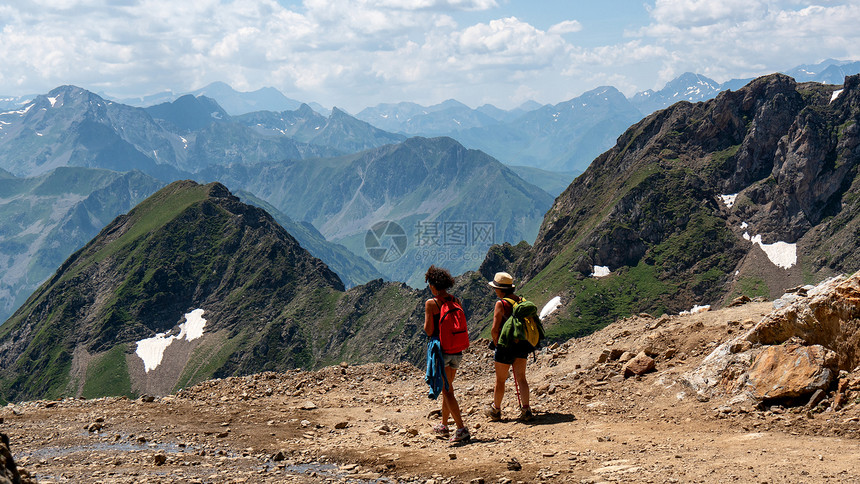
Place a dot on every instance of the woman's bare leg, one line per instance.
(449, 401)
(522, 383)
(502, 371)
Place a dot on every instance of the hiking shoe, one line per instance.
(441, 430)
(494, 413)
(526, 415)
(461, 435)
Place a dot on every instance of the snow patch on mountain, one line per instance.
(20, 111)
(550, 306)
(782, 254)
(600, 271)
(151, 350)
(729, 200)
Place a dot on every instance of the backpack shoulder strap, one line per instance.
(513, 303)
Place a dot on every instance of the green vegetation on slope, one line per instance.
(107, 375)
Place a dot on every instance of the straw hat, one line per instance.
(502, 280)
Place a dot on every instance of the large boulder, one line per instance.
(791, 371)
(825, 320)
(829, 316)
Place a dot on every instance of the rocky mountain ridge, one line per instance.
(749, 193)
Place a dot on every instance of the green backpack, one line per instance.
(523, 325)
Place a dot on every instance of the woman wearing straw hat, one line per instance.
(506, 357)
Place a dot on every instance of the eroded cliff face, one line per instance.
(700, 195)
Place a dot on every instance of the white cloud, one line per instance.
(354, 53)
(467, 5)
(691, 13)
(566, 27)
(737, 38)
(508, 38)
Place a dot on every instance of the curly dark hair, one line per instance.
(439, 278)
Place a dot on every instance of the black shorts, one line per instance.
(507, 354)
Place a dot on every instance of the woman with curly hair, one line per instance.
(440, 281)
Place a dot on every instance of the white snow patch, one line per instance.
(697, 309)
(782, 254)
(550, 306)
(729, 200)
(22, 111)
(835, 94)
(53, 101)
(193, 326)
(747, 236)
(151, 350)
(600, 271)
(744, 225)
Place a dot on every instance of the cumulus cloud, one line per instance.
(566, 27)
(466, 5)
(745, 38)
(508, 38)
(690, 13)
(321, 48)
(353, 53)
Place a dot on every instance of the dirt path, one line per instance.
(371, 423)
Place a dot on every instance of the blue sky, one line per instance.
(358, 53)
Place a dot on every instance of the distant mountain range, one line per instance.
(552, 137)
(561, 138)
(687, 87)
(567, 136)
(339, 131)
(233, 102)
(15, 102)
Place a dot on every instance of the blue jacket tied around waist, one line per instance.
(435, 376)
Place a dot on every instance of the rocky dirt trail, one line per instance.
(372, 423)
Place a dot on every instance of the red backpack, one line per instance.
(453, 334)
